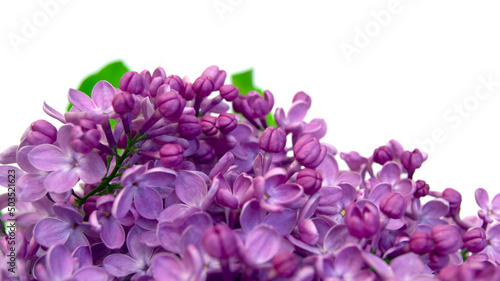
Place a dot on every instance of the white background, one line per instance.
(412, 67)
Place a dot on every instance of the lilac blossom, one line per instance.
(66, 165)
(196, 193)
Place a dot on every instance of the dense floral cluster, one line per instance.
(178, 188)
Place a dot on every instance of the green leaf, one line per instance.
(244, 82)
(111, 73)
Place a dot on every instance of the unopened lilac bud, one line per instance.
(475, 240)
(229, 92)
(446, 238)
(353, 160)
(156, 83)
(132, 82)
(170, 105)
(171, 155)
(219, 241)
(272, 140)
(203, 86)
(309, 152)
(42, 132)
(421, 242)
(159, 72)
(175, 83)
(123, 103)
(362, 222)
(310, 180)
(205, 153)
(382, 155)
(422, 189)
(147, 76)
(393, 205)
(438, 261)
(189, 126)
(209, 125)
(84, 138)
(285, 264)
(412, 161)
(188, 91)
(454, 199)
(226, 122)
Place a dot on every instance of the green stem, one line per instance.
(104, 185)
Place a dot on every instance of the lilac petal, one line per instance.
(223, 165)
(68, 213)
(330, 169)
(299, 244)
(91, 168)
(226, 199)
(434, 209)
(310, 207)
(192, 235)
(8, 156)
(83, 255)
(190, 188)
(31, 187)
(123, 202)
(482, 198)
(209, 198)
(283, 222)
(194, 263)
(132, 174)
(169, 236)
(138, 250)
(176, 213)
(150, 239)
(297, 111)
(404, 186)
(275, 177)
(81, 100)
(258, 165)
(91, 273)
(23, 160)
(348, 261)
(317, 127)
(329, 195)
(390, 173)
(53, 113)
(102, 94)
(60, 263)
(51, 231)
(167, 267)
(279, 116)
(61, 181)
(112, 234)
(379, 265)
(201, 220)
(9, 173)
(379, 192)
(251, 215)
(158, 177)
(76, 239)
(349, 194)
(120, 265)
(242, 188)
(352, 178)
(64, 139)
(407, 265)
(241, 132)
(148, 202)
(285, 193)
(262, 244)
(337, 237)
(493, 233)
(48, 157)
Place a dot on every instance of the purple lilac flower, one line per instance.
(61, 265)
(66, 165)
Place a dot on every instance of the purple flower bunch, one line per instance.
(179, 188)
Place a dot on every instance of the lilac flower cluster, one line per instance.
(179, 188)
